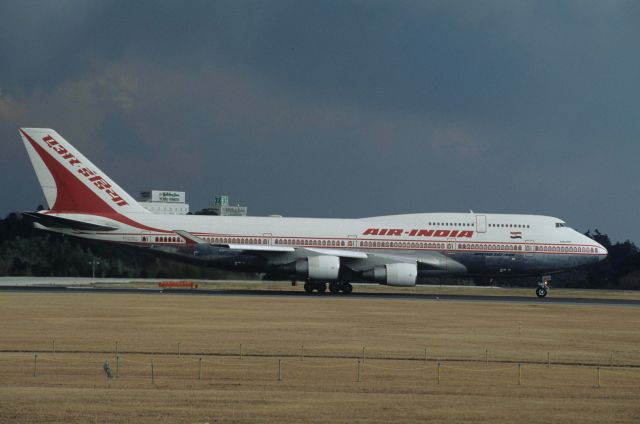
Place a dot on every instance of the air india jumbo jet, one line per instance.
(395, 250)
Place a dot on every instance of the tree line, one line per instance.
(26, 251)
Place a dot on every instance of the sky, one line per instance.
(336, 108)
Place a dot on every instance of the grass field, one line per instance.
(210, 382)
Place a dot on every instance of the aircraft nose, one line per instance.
(602, 252)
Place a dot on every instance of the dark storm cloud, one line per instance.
(337, 108)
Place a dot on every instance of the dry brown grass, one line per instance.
(396, 384)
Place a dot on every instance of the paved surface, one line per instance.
(299, 293)
(86, 281)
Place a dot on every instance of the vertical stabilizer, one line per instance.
(70, 182)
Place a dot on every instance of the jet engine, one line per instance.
(323, 267)
(397, 275)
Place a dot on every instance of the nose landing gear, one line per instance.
(543, 287)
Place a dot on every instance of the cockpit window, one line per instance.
(559, 224)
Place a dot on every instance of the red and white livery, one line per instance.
(396, 250)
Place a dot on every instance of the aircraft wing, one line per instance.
(429, 261)
(355, 259)
(193, 239)
(257, 248)
(338, 252)
(295, 251)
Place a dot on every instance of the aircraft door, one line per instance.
(530, 261)
(481, 223)
(147, 238)
(528, 249)
(451, 246)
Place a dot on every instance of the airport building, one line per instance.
(221, 207)
(164, 202)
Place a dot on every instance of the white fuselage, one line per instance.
(483, 243)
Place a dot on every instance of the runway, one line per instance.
(353, 296)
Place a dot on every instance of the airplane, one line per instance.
(394, 250)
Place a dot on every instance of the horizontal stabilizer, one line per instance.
(51, 221)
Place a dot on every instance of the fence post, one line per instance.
(598, 385)
(152, 373)
(279, 369)
(611, 359)
(53, 346)
(519, 374)
(116, 348)
(200, 368)
(358, 370)
(548, 359)
(438, 372)
(117, 366)
(425, 355)
(35, 365)
(486, 356)
(302, 353)
(362, 353)
(178, 349)
(241, 351)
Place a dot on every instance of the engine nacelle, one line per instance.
(397, 275)
(323, 267)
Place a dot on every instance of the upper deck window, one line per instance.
(559, 224)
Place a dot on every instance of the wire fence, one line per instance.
(611, 358)
(162, 368)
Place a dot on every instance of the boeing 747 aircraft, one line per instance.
(395, 250)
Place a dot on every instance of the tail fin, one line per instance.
(70, 182)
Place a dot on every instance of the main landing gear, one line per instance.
(543, 287)
(334, 287)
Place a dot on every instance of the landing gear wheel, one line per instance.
(541, 292)
(321, 287)
(347, 288)
(308, 287)
(334, 287)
